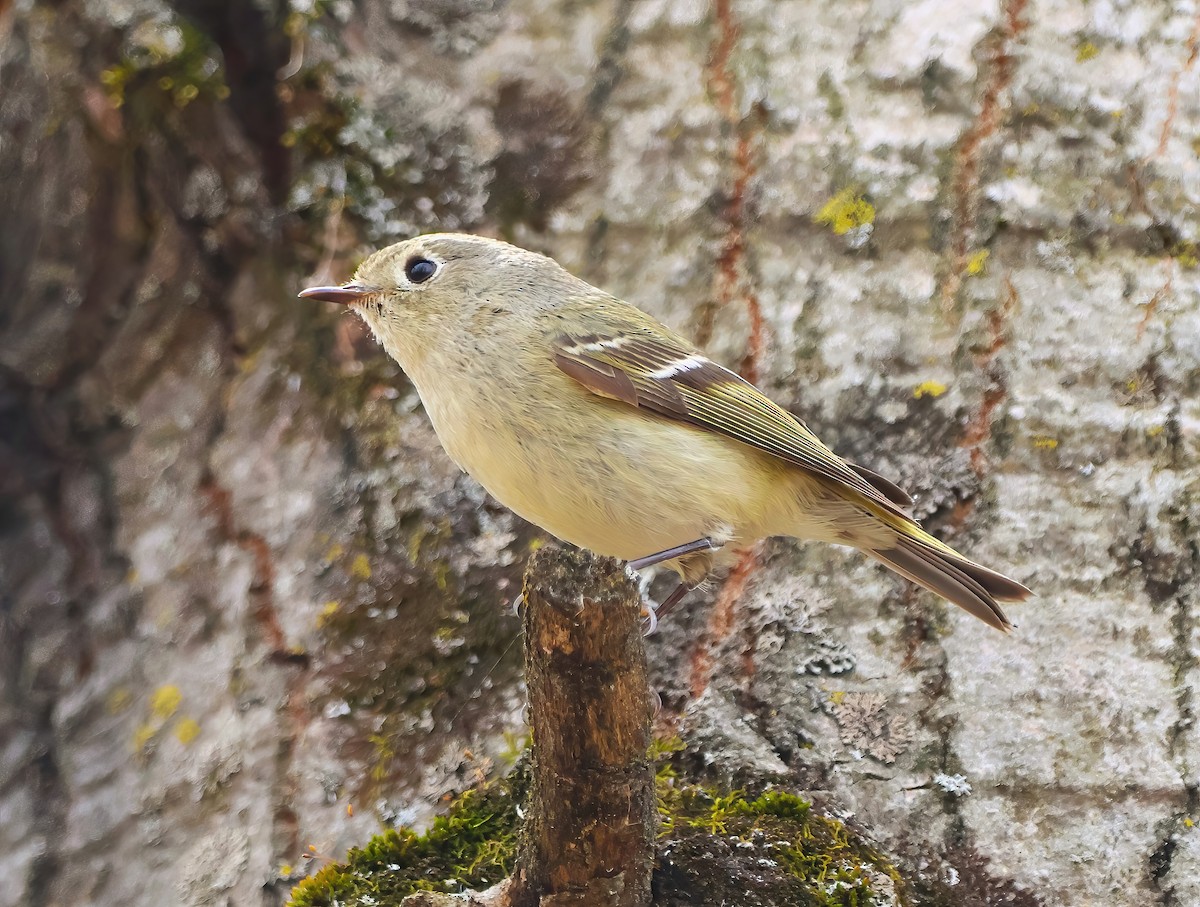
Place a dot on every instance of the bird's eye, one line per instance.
(419, 270)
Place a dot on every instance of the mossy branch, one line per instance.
(589, 834)
(596, 792)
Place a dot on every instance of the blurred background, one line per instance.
(251, 613)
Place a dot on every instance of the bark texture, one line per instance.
(249, 607)
(591, 816)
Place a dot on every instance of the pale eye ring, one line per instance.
(419, 270)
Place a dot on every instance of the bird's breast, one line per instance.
(604, 476)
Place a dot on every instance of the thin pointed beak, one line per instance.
(346, 294)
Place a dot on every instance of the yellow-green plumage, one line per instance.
(589, 418)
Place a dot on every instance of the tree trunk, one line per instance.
(589, 833)
(244, 594)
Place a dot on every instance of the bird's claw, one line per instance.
(649, 620)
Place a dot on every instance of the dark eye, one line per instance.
(419, 270)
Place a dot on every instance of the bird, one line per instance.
(589, 418)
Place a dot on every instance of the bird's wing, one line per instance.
(666, 377)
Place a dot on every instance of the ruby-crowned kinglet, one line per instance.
(589, 418)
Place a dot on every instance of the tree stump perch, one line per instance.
(591, 817)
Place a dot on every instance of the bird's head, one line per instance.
(425, 294)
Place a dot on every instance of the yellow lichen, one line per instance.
(384, 750)
(1086, 51)
(1044, 442)
(929, 389)
(114, 80)
(165, 701)
(846, 211)
(415, 541)
(329, 609)
(360, 568)
(142, 736)
(187, 730)
(977, 262)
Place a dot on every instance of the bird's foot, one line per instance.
(652, 614)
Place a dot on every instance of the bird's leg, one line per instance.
(654, 612)
(677, 595)
(704, 544)
(695, 560)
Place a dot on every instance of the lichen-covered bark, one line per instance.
(247, 604)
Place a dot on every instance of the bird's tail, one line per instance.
(920, 557)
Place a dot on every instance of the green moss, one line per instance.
(170, 61)
(472, 846)
(776, 844)
(715, 846)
